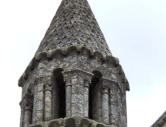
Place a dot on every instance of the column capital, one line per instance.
(107, 83)
(48, 87)
(28, 107)
(86, 83)
(66, 78)
(27, 100)
(44, 79)
(105, 90)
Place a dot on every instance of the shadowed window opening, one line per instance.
(61, 94)
(94, 81)
(29, 105)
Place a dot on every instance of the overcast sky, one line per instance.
(135, 31)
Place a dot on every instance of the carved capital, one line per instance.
(105, 90)
(47, 79)
(67, 79)
(86, 83)
(28, 107)
(48, 87)
(27, 102)
(107, 83)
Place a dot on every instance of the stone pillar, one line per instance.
(34, 104)
(27, 105)
(77, 100)
(22, 115)
(27, 115)
(105, 106)
(114, 106)
(86, 98)
(48, 102)
(68, 98)
(38, 110)
(124, 110)
(77, 91)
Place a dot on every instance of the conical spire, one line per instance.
(74, 25)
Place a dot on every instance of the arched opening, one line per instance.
(94, 86)
(59, 96)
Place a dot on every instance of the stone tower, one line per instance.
(73, 79)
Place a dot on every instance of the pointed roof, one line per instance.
(74, 25)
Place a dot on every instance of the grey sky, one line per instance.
(135, 31)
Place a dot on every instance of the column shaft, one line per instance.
(34, 105)
(48, 103)
(22, 117)
(77, 95)
(86, 99)
(105, 106)
(68, 99)
(27, 117)
(38, 110)
(114, 107)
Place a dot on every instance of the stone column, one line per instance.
(114, 106)
(105, 106)
(86, 98)
(48, 102)
(34, 104)
(38, 109)
(76, 93)
(68, 94)
(77, 101)
(124, 110)
(22, 115)
(27, 115)
(68, 99)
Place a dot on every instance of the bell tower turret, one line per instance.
(73, 79)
